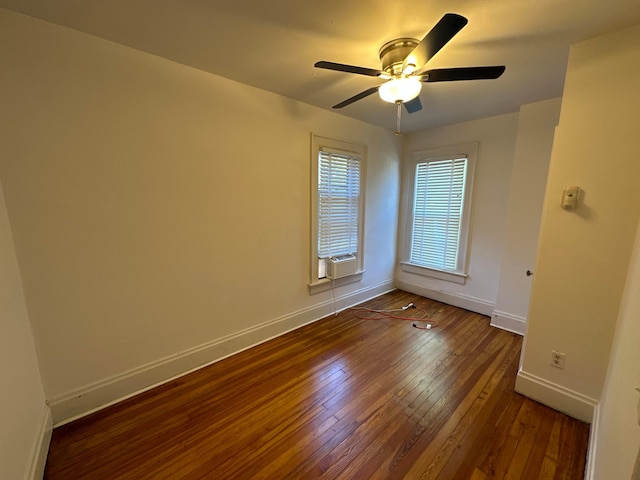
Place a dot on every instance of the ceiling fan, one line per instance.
(403, 62)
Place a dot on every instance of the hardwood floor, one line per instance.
(343, 398)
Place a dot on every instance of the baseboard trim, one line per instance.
(509, 322)
(590, 473)
(40, 447)
(467, 302)
(101, 394)
(556, 396)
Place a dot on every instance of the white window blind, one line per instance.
(338, 203)
(437, 213)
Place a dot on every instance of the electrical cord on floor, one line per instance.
(364, 313)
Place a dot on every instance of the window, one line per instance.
(337, 209)
(438, 211)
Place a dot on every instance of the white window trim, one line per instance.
(454, 277)
(317, 285)
(470, 151)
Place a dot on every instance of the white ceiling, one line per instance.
(274, 44)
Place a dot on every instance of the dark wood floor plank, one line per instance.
(378, 391)
(407, 396)
(342, 398)
(533, 467)
(497, 453)
(465, 447)
(530, 424)
(467, 405)
(434, 379)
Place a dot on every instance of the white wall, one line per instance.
(161, 214)
(584, 255)
(25, 421)
(617, 434)
(496, 137)
(536, 127)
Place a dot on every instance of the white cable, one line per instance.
(333, 294)
(406, 307)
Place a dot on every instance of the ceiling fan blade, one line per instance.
(413, 106)
(462, 73)
(440, 34)
(357, 97)
(341, 67)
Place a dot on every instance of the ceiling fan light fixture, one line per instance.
(409, 69)
(400, 90)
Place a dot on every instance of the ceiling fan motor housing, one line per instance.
(393, 53)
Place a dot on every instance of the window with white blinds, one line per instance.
(437, 212)
(338, 203)
(337, 208)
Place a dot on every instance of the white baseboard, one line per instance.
(40, 447)
(509, 322)
(467, 302)
(93, 397)
(556, 396)
(590, 473)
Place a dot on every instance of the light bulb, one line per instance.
(400, 89)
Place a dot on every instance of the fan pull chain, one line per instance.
(398, 118)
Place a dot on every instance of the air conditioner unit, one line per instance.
(342, 266)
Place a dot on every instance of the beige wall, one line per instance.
(536, 127)
(157, 208)
(25, 423)
(616, 433)
(584, 255)
(496, 137)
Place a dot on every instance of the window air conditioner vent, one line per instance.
(342, 266)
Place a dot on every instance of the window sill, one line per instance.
(325, 284)
(455, 277)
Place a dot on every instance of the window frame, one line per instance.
(318, 144)
(460, 274)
